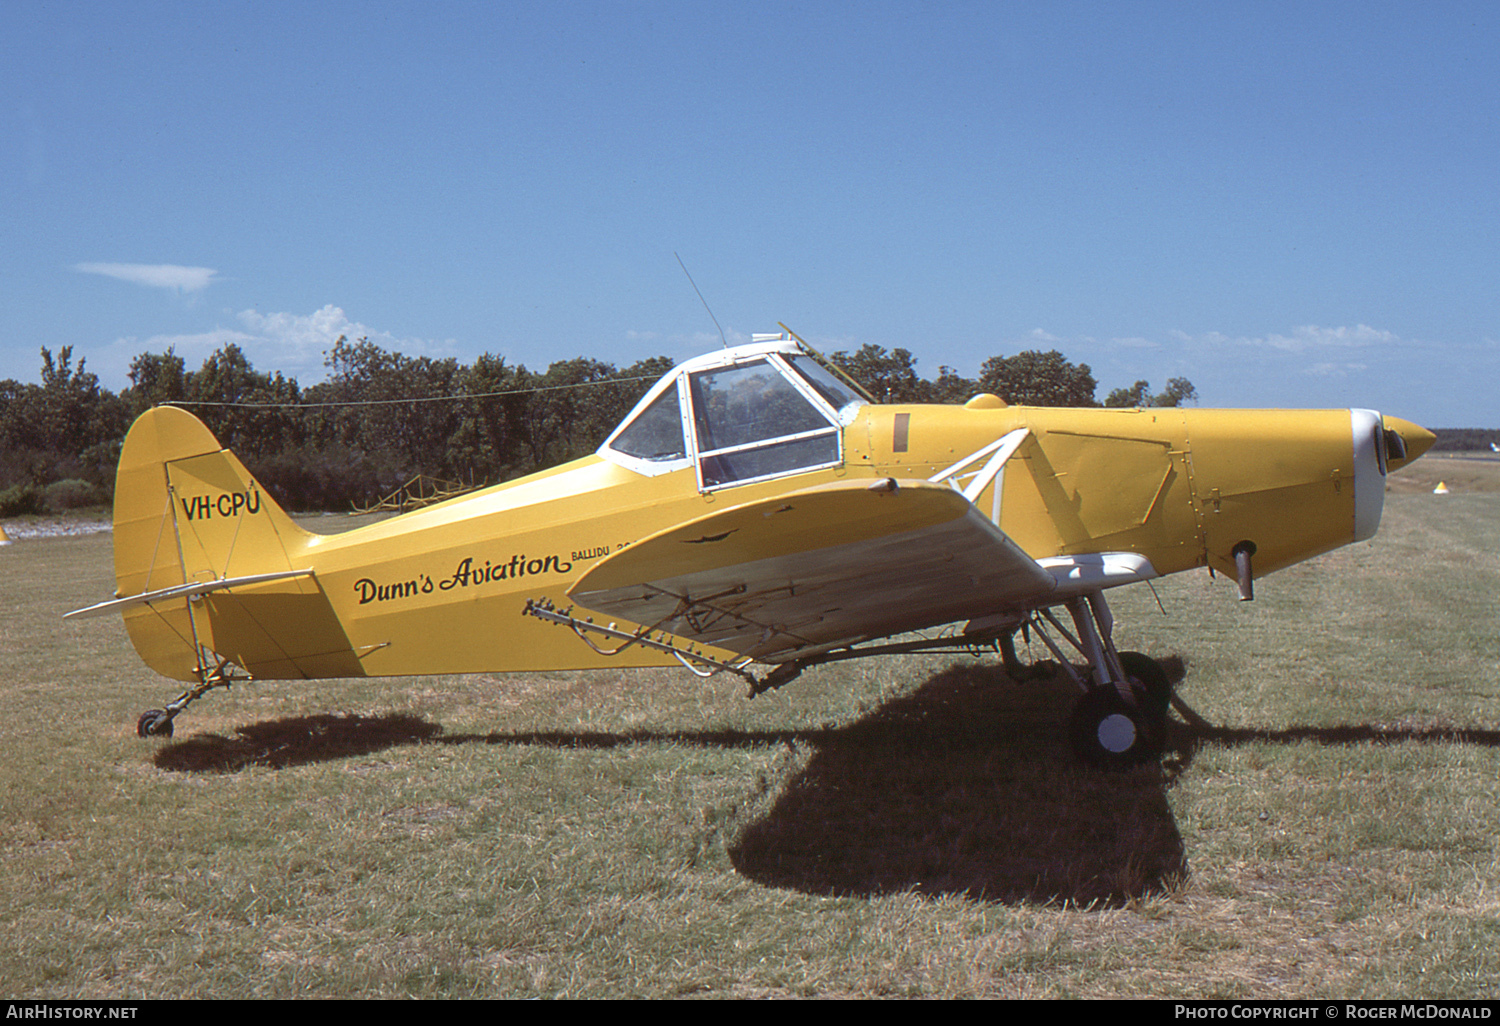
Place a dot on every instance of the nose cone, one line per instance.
(1417, 438)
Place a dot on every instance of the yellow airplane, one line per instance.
(756, 513)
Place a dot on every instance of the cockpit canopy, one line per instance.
(746, 414)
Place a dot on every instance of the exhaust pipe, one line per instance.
(1242, 553)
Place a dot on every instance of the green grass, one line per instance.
(897, 827)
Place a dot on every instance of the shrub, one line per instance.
(19, 500)
(72, 493)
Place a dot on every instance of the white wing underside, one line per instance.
(826, 567)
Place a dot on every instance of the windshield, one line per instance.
(835, 393)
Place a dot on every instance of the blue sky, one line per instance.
(1288, 204)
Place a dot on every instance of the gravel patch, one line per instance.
(53, 527)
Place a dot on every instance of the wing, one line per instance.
(815, 569)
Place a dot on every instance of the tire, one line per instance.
(1110, 732)
(154, 723)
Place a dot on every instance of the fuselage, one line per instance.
(442, 589)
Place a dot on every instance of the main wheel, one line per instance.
(1111, 732)
(154, 723)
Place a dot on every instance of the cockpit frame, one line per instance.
(736, 426)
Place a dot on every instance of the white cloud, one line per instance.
(293, 344)
(1304, 338)
(1310, 336)
(159, 276)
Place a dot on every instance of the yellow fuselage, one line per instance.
(441, 590)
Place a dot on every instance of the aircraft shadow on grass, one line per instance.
(294, 742)
(966, 786)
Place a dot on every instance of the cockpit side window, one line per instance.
(750, 423)
(656, 434)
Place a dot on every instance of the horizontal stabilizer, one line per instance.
(182, 591)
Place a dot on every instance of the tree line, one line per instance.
(1466, 439)
(381, 417)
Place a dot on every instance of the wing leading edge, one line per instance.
(790, 576)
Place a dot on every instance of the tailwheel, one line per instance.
(221, 674)
(1111, 731)
(154, 723)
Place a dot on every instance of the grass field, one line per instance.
(903, 827)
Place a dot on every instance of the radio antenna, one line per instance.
(702, 300)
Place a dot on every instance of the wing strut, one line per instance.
(999, 452)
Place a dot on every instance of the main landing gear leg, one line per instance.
(1120, 721)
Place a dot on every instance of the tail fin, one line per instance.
(188, 512)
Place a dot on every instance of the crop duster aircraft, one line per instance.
(756, 513)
